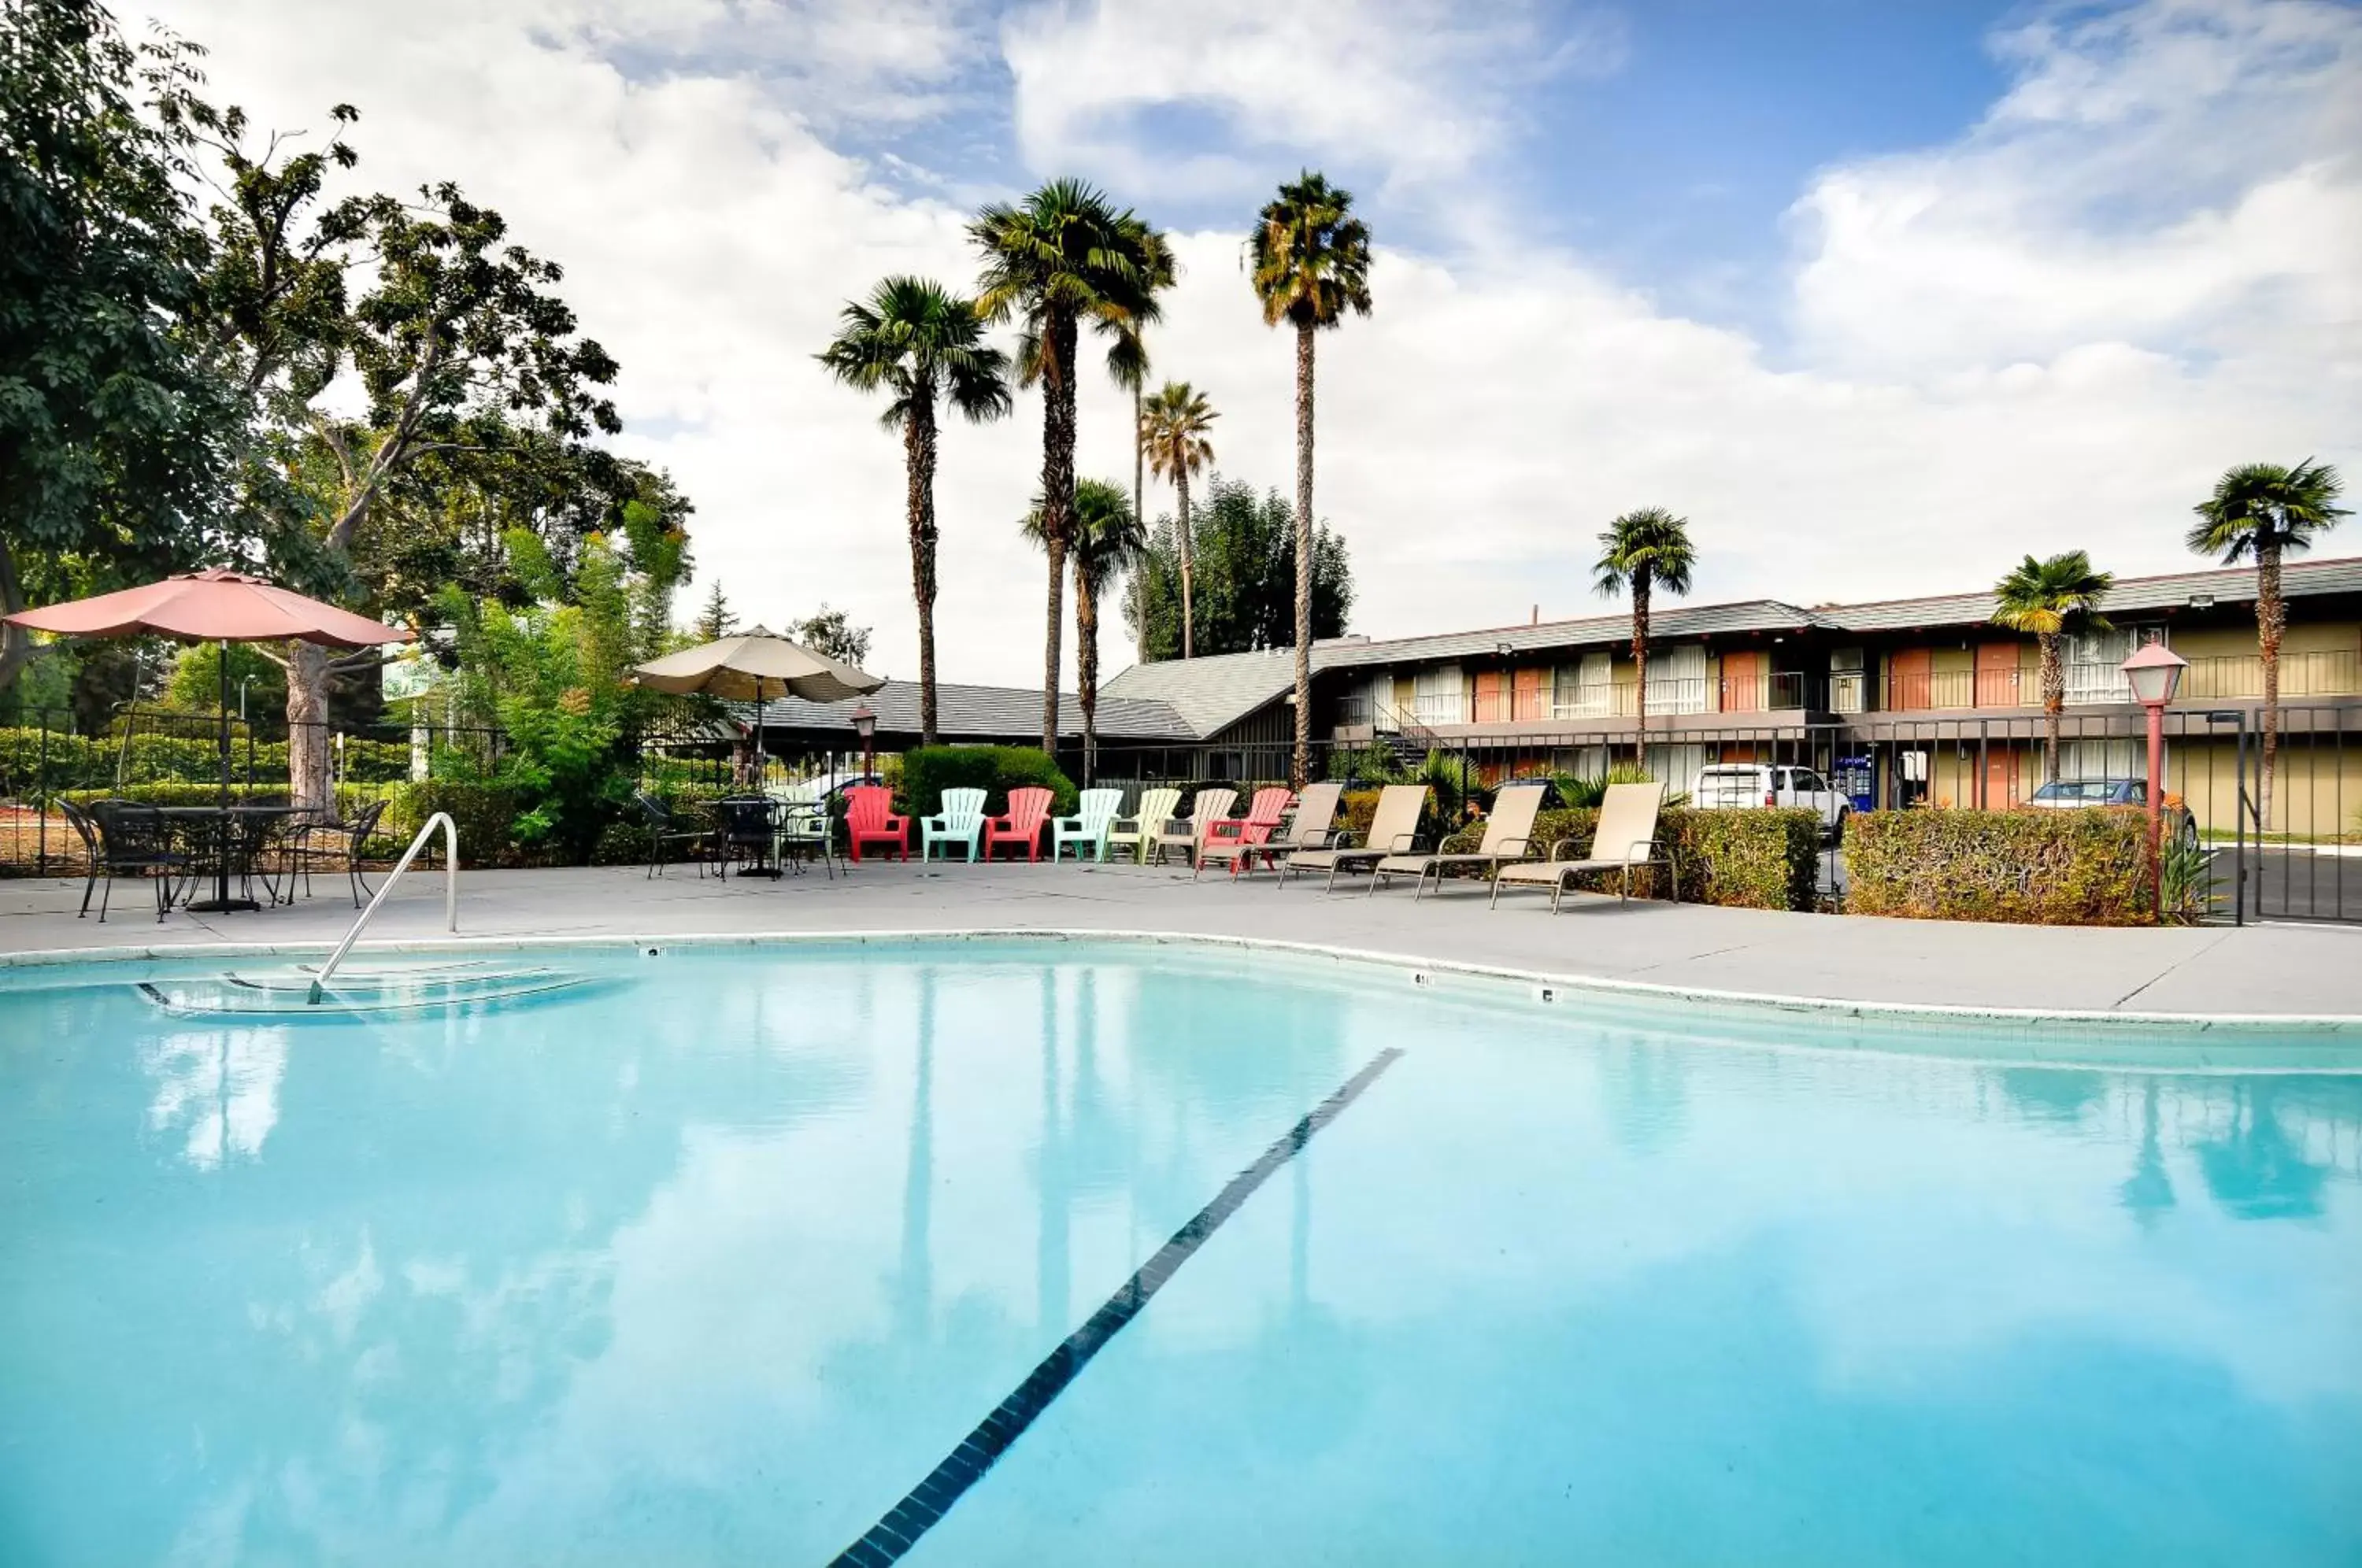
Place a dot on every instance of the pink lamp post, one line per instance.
(2155, 673)
(865, 725)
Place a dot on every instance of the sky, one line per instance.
(1879, 297)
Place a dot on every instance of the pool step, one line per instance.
(375, 989)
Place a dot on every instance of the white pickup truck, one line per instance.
(1742, 786)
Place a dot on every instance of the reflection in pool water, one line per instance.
(714, 1266)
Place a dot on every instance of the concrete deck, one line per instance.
(2206, 972)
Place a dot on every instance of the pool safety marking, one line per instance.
(925, 1504)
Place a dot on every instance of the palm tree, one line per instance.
(1310, 264)
(1128, 365)
(2049, 599)
(1174, 428)
(2262, 510)
(918, 341)
(1062, 256)
(1644, 551)
(1107, 539)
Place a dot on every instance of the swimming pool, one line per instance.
(750, 1254)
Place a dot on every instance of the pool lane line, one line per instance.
(924, 1505)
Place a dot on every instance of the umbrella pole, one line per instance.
(221, 901)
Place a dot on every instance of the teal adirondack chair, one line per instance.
(961, 821)
(1087, 829)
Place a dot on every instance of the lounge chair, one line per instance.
(1029, 810)
(1508, 836)
(1627, 836)
(1088, 828)
(870, 818)
(1185, 833)
(960, 821)
(1236, 839)
(1137, 833)
(1393, 830)
(1313, 827)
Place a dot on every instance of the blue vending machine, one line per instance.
(1858, 782)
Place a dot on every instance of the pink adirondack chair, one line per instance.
(869, 819)
(1028, 809)
(1234, 838)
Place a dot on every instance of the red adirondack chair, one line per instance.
(1028, 809)
(1233, 838)
(869, 819)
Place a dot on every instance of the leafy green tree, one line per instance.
(2261, 512)
(1106, 542)
(921, 342)
(257, 684)
(1310, 265)
(114, 429)
(833, 633)
(2049, 599)
(1175, 426)
(1644, 551)
(1244, 546)
(1062, 256)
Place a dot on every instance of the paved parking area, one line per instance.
(2205, 971)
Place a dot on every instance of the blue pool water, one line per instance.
(716, 1260)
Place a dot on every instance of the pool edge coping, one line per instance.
(1604, 986)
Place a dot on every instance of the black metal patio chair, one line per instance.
(666, 827)
(745, 829)
(124, 838)
(333, 845)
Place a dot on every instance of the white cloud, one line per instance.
(2141, 268)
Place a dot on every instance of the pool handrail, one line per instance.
(450, 894)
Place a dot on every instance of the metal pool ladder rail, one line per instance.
(450, 894)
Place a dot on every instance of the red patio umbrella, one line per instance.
(214, 606)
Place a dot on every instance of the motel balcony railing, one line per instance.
(2332, 673)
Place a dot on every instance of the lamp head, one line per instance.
(2154, 672)
(865, 722)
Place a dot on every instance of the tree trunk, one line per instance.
(17, 648)
(1189, 609)
(2054, 702)
(1058, 501)
(307, 728)
(1087, 666)
(2271, 622)
(1139, 476)
(919, 446)
(1640, 667)
(1303, 765)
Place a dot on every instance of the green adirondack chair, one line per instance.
(961, 821)
(1088, 828)
(1136, 833)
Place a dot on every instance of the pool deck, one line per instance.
(2205, 972)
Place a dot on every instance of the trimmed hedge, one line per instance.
(995, 769)
(485, 815)
(2079, 867)
(89, 762)
(1746, 859)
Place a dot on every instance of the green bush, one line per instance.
(485, 815)
(2081, 868)
(995, 769)
(91, 762)
(1751, 859)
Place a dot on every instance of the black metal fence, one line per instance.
(175, 756)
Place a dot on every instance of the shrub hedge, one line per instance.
(1750, 859)
(2081, 868)
(90, 762)
(484, 814)
(995, 769)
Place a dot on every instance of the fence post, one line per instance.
(2239, 823)
(41, 794)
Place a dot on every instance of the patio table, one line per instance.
(211, 832)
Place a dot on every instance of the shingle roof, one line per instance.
(1213, 692)
(977, 712)
(2234, 585)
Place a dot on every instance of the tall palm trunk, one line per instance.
(2271, 624)
(1058, 501)
(1189, 591)
(1303, 767)
(1640, 667)
(1087, 666)
(2054, 701)
(1139, 574)
(918, 451)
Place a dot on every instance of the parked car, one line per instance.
(1742, 786)
(2079, 794)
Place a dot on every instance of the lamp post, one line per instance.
(865, 725)
(2154, 672)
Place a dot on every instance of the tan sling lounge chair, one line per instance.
(1394, 828)
(1627, 836)
(1187, 834)
(1315, 808)
(1508, 836)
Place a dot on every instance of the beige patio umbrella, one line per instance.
(752, 666)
